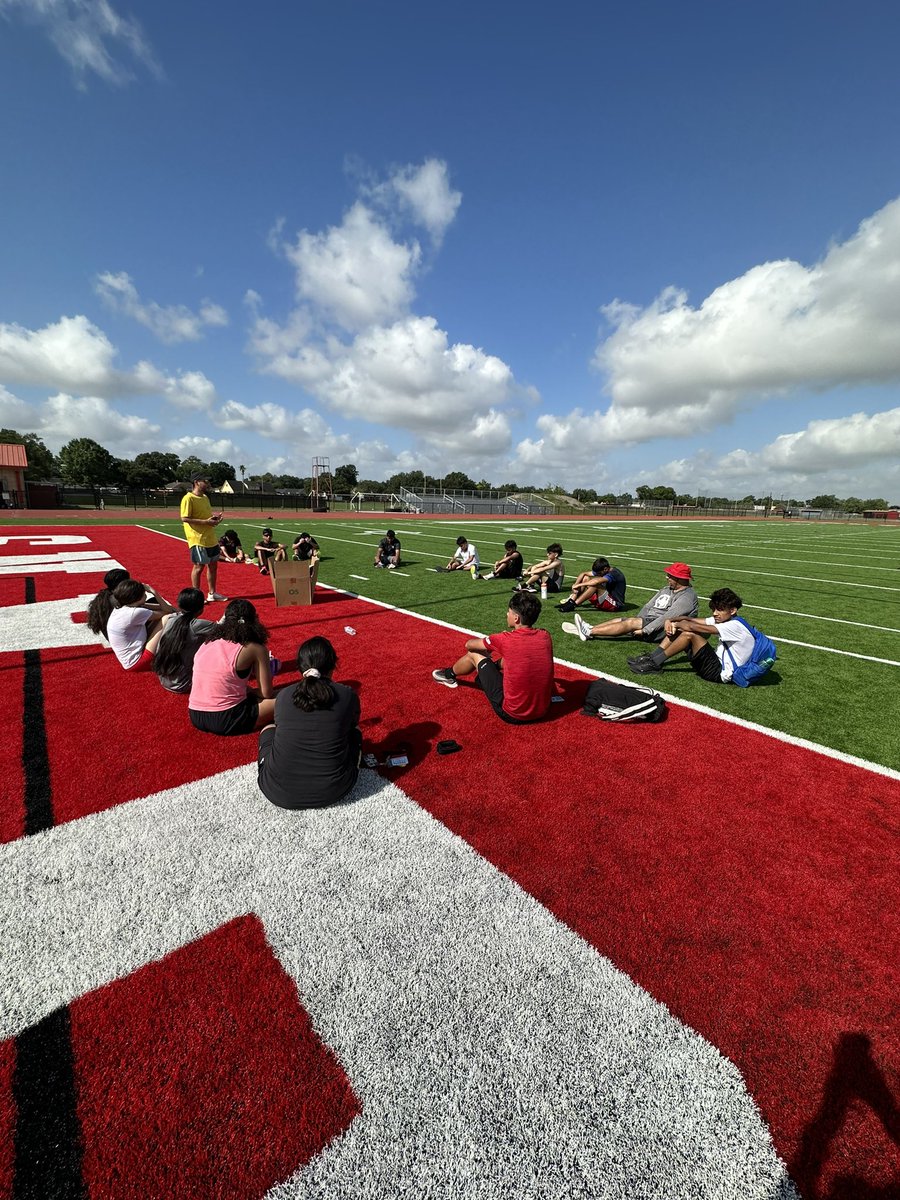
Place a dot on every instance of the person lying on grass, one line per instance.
(676, 599)
(184, 632)
(602, 586)
(691, 635)
(519, 685)
(550, 570)
(268, 549)
(510, 566)
(309, 755)
(387, 552)
(221, 700)
(231, 548)
(465, 558)
(135, 624)
(103, 604)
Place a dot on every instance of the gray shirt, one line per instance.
(664, 606)
(180, 680)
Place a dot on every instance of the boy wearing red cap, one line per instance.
(676, 599)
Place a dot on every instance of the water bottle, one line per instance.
(543, 587)
(350, 630)
(474, 572)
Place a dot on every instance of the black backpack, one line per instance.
(623, 702)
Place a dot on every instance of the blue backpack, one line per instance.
(761, 659)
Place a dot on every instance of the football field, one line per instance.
(575, 959)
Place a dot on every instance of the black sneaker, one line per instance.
(566, 606)
(445, 676)
(645, 667)
(641, 658)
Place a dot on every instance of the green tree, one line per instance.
(345, 478)
(585, 495)
(685, 498)
(189, 465)
(85, 461)
(163, 464)
(644, 493)
(824, 501)
(41, 463)
(663, 495)
(219, 472)
(458, 481)
(870, 504)
(625, 498)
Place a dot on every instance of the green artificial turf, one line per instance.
(834, 587)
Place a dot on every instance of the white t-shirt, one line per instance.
(737, 638)
(468, 555)
(126, 633)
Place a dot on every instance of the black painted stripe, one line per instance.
(35, 761)
(48, 1151)
(48, 1147)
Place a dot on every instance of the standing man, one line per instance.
(200, 530)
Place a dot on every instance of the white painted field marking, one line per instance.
(364, 577)
(890, 662)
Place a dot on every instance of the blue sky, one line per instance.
(600, 245)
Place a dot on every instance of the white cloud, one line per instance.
(90, 35)
(207, 449)
(825, 457)
(190, 389)
(425, 193)
(62, 417)
(72, 354)
(353, 343)
(355, 273)
(779, 327)
(172, 323)
(15, 413)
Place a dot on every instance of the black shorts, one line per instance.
(706, 664)
(233, 721)
(490, 680)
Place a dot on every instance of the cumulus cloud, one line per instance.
(355, 273)
(424, 193)
(170, 323)
(62, 417)
(207, 449)
(90, 35)
(15, 413)
(779, 327)
(826, 456)
(353, 342)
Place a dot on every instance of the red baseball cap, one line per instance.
(679, 571)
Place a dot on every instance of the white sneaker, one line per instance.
(445, 676)
(568, 627)
(584, 630)
(392, 566)
(212, 597)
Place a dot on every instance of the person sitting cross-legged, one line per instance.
(465, 558)
(691, 635)
(519, 686)
(676, 599)
(268, 550)
(305, 548)
(602, 586)
(231, 549)
(135, 626)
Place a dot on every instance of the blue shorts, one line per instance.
(201, 555)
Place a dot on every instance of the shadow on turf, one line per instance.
(855, 1079)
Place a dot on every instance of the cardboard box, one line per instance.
(293, 582)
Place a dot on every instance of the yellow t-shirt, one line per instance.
(197, 508)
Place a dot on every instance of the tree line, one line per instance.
(84, 461)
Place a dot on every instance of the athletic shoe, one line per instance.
(531, 589)
(392, 566)
(566, 606)
(633, 662)
(581, 625)
(263, 570)
(377, 565)
(213, 596)
(647, 667)
(490, 575)
(445, 676)
(568, 627)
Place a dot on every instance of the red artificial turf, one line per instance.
(744, 882)
(201, 1075)
(7, 1116)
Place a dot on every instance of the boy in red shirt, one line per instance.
(519, 684)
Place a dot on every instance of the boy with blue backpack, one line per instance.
(742, 655)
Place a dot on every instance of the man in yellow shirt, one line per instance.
(200, 530)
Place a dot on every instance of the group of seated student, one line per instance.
(309, 748)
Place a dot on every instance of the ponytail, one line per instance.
(316, 661)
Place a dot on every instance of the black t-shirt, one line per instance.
(388, 546)
(304, 548)
(313, 758)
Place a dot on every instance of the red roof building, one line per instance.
(13, 463)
